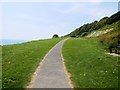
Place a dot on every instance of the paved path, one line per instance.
(51, 73)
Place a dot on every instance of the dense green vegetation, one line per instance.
(96, 25)
(114, 18)
(113, 37)
(20, 61)
(55, 36)
(89, 65)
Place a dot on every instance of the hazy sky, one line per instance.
(39, 20)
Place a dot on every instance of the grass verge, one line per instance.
(89, 65)
(20, 61)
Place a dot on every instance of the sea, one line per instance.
(9, 42)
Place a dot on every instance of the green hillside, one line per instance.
(96, 25)
(86, 54)
(107, 29)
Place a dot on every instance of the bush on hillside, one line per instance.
(55, 36)
(112, 38)
(84, 34)
(114, 18)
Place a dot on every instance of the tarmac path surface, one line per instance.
(51, 73)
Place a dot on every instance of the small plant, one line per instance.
(84, 34)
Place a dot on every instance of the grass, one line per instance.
(20, 61)
(89, 65)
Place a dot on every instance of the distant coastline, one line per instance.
(8, 42)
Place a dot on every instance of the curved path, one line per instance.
(51, 73)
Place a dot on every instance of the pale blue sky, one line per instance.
(40, 20)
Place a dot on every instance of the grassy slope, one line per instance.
(88, 64)
(20, 61)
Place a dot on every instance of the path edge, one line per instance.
(65, 69)
(30, 84)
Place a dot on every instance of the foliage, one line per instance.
(114, 18)
(55, 36)
(112, 38)
(84, 34)
(96, 25)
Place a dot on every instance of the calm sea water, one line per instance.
(7, 42)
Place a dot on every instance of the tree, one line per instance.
(55, 36)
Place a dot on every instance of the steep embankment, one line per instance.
(20, 61)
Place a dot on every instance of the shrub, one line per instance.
(110, 39)
(55, 36)
(72, 36)
(84, 34)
